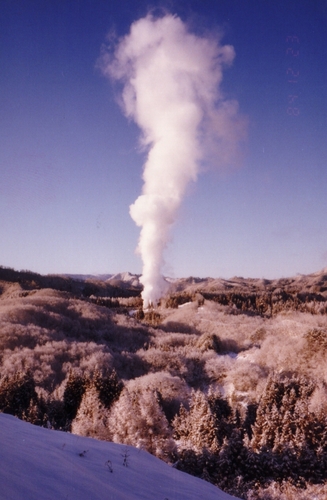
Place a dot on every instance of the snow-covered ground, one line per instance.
(38, 463)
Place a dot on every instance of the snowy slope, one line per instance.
(38, 463)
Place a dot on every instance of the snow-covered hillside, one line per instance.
(38, 463)
(126, 278)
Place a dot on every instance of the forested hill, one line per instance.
(304, 293)
(82, 287)
(215, 381)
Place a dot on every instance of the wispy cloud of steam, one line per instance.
(171, 89)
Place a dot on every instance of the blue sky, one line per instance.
(71, 164)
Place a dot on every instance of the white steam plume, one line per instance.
(171, 90)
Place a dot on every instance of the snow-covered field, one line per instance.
(38, 463)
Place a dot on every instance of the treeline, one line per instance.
(131, 300)
(261, 303)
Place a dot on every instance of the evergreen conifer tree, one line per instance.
(17, 392)
(137, 419)
(196, 429)
(73, 394)
(92, 416)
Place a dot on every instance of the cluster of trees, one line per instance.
(19, 397)
(262, 303)
(281, 439)
(131, 301)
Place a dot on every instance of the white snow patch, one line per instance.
(247, 355)
(40, 463)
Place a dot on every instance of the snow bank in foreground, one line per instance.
(40, 463)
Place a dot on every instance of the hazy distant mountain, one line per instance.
(123, 279)
(84, 277)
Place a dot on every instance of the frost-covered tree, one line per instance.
(137, 419)
(196, 428)
(90, 401)
(74, 390)
(17, 394)
(108, 386)
(225, 418)
(92, 416)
